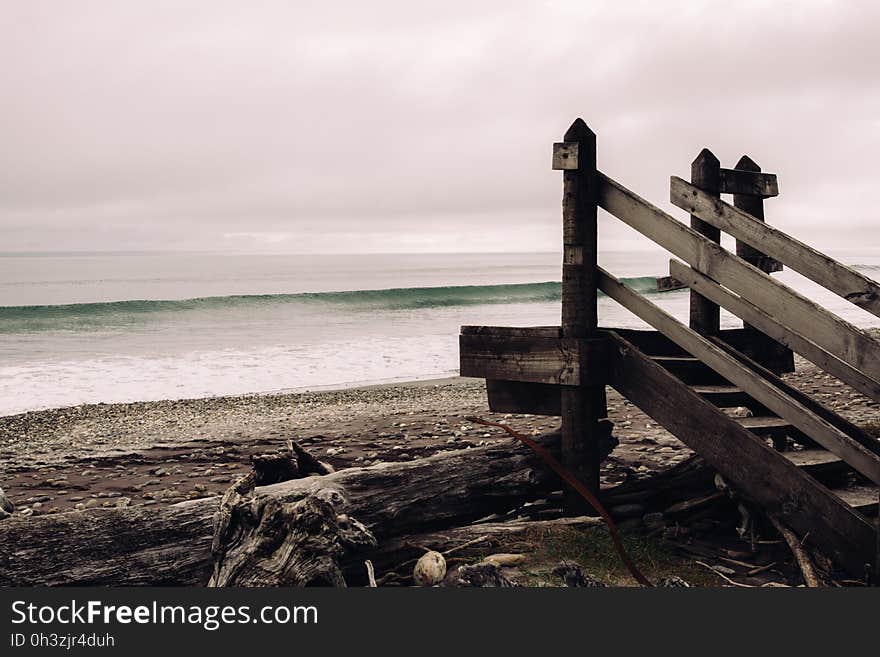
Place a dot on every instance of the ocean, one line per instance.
(117, 327)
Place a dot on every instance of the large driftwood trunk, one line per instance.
(260, 541)
(172, 545)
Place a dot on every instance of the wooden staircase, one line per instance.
(810, 458)
(781, 449)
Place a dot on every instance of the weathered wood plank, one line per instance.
(804, 259)
(517, 331)
(559, 361)
(769, 326)
(748, 182)
(668, 284)
(824, 433)
(835, 335)
(753, 468)
(522, 397)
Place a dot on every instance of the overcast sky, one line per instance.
(409, 126)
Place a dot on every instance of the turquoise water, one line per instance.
(112, 327)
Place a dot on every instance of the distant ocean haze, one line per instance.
(115, 327)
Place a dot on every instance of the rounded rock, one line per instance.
(430, 569)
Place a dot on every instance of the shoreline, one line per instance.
(58, 458)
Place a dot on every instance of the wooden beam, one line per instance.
(746, 181)
(520, 397)
(705, 316)
(583, 406)
(833, 334)
(815, 265)
(770, 326)
(558, 361)
(824, 433)
(753, 468)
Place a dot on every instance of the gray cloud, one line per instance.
(398, 126)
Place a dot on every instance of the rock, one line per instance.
(26, 512)
(574, 577)
(482, 575)
(673, 581)
(654, 520)
(123, 502)
(92, 503)
(5, 503)
(430, 569)
(4, 514)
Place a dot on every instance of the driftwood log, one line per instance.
(260, 541)
(150, 545)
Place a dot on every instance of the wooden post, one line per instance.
(754, 205)
(705, 316)
(582, 406)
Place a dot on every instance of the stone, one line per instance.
(573, 576)
(430, 569)
(673, 581)
(482, 575)
(5, 503)
(653, 520)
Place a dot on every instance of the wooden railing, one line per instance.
(807, 327)
(564, 370)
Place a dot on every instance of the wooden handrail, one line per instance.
(837, 336)
(827, 435)
(768, 325)
(853, 286)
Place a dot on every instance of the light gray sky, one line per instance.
(407, 126)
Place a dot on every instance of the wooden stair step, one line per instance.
(828, 468)
(691, 370)
(723, 396)
(765, 425)
(862, 498)
(807, 458)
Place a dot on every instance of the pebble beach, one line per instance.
(165, 452)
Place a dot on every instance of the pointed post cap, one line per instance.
(747, 164)
(706, 158)
(579, 131)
